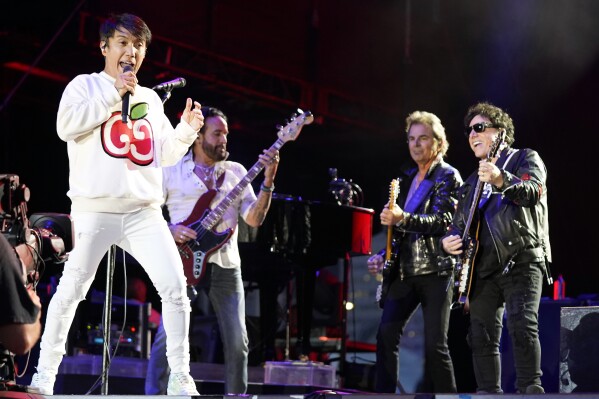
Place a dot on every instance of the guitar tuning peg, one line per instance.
(279, 127)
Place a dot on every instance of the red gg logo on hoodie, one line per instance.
(132, 140)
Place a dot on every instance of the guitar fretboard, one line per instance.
(217, 213)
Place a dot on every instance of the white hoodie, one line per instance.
(117, 171)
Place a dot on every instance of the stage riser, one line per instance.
(79, 384)
(68, 385)
(19, 395)
(452, 396)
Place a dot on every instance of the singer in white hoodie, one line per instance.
(118, 140)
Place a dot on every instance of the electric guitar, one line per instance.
(389, 268)
(465, 265)
(195, 253)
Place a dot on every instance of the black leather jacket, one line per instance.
(426, 219)
(516, 215)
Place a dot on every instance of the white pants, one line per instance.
(145, 235)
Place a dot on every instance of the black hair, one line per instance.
(498, 117)
(134, 24)
(210, 112)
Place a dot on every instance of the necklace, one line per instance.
(207, 171)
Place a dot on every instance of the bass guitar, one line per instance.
(390, 267)
(465, 265)
(202, 219)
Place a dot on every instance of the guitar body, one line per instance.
(390, 273)
(195, 253)
(464, 273)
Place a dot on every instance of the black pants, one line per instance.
(434, 293)
(519, 293)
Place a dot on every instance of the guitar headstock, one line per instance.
(393, 191)
(292, 129)
(498, 144)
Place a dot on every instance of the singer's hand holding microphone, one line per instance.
(126, 81)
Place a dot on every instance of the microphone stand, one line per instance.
(106, 318)
(167, 95)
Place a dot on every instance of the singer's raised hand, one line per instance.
(193, 116)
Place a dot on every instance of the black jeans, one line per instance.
(434, 293)
(519, 293)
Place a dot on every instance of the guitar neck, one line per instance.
(478, 190)
(475, 200)
(389, 243)
(216, 214)
(393, 193)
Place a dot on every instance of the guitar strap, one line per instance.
(220, 180)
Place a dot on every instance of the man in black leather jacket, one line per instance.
(510, 240)
(427, 202)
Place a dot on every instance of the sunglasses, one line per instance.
(478, 128)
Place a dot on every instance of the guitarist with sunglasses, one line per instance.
(510, 250)
(426, 203)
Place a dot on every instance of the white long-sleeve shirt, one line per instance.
(114, 167)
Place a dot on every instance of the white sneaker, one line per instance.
(43, 382)
(181, 384)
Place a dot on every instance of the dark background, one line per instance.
(359, 66)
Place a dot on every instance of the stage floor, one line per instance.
(127, 375)
(317, 395)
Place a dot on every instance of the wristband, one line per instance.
(267, 189)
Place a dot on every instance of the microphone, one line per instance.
(125, 110)
(170, 85)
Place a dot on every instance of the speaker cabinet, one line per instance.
(549, 337)
(579, 349)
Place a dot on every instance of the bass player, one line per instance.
(511, 250)
(205, 167)
(427, 202)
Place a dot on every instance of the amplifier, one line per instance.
(579, 349)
